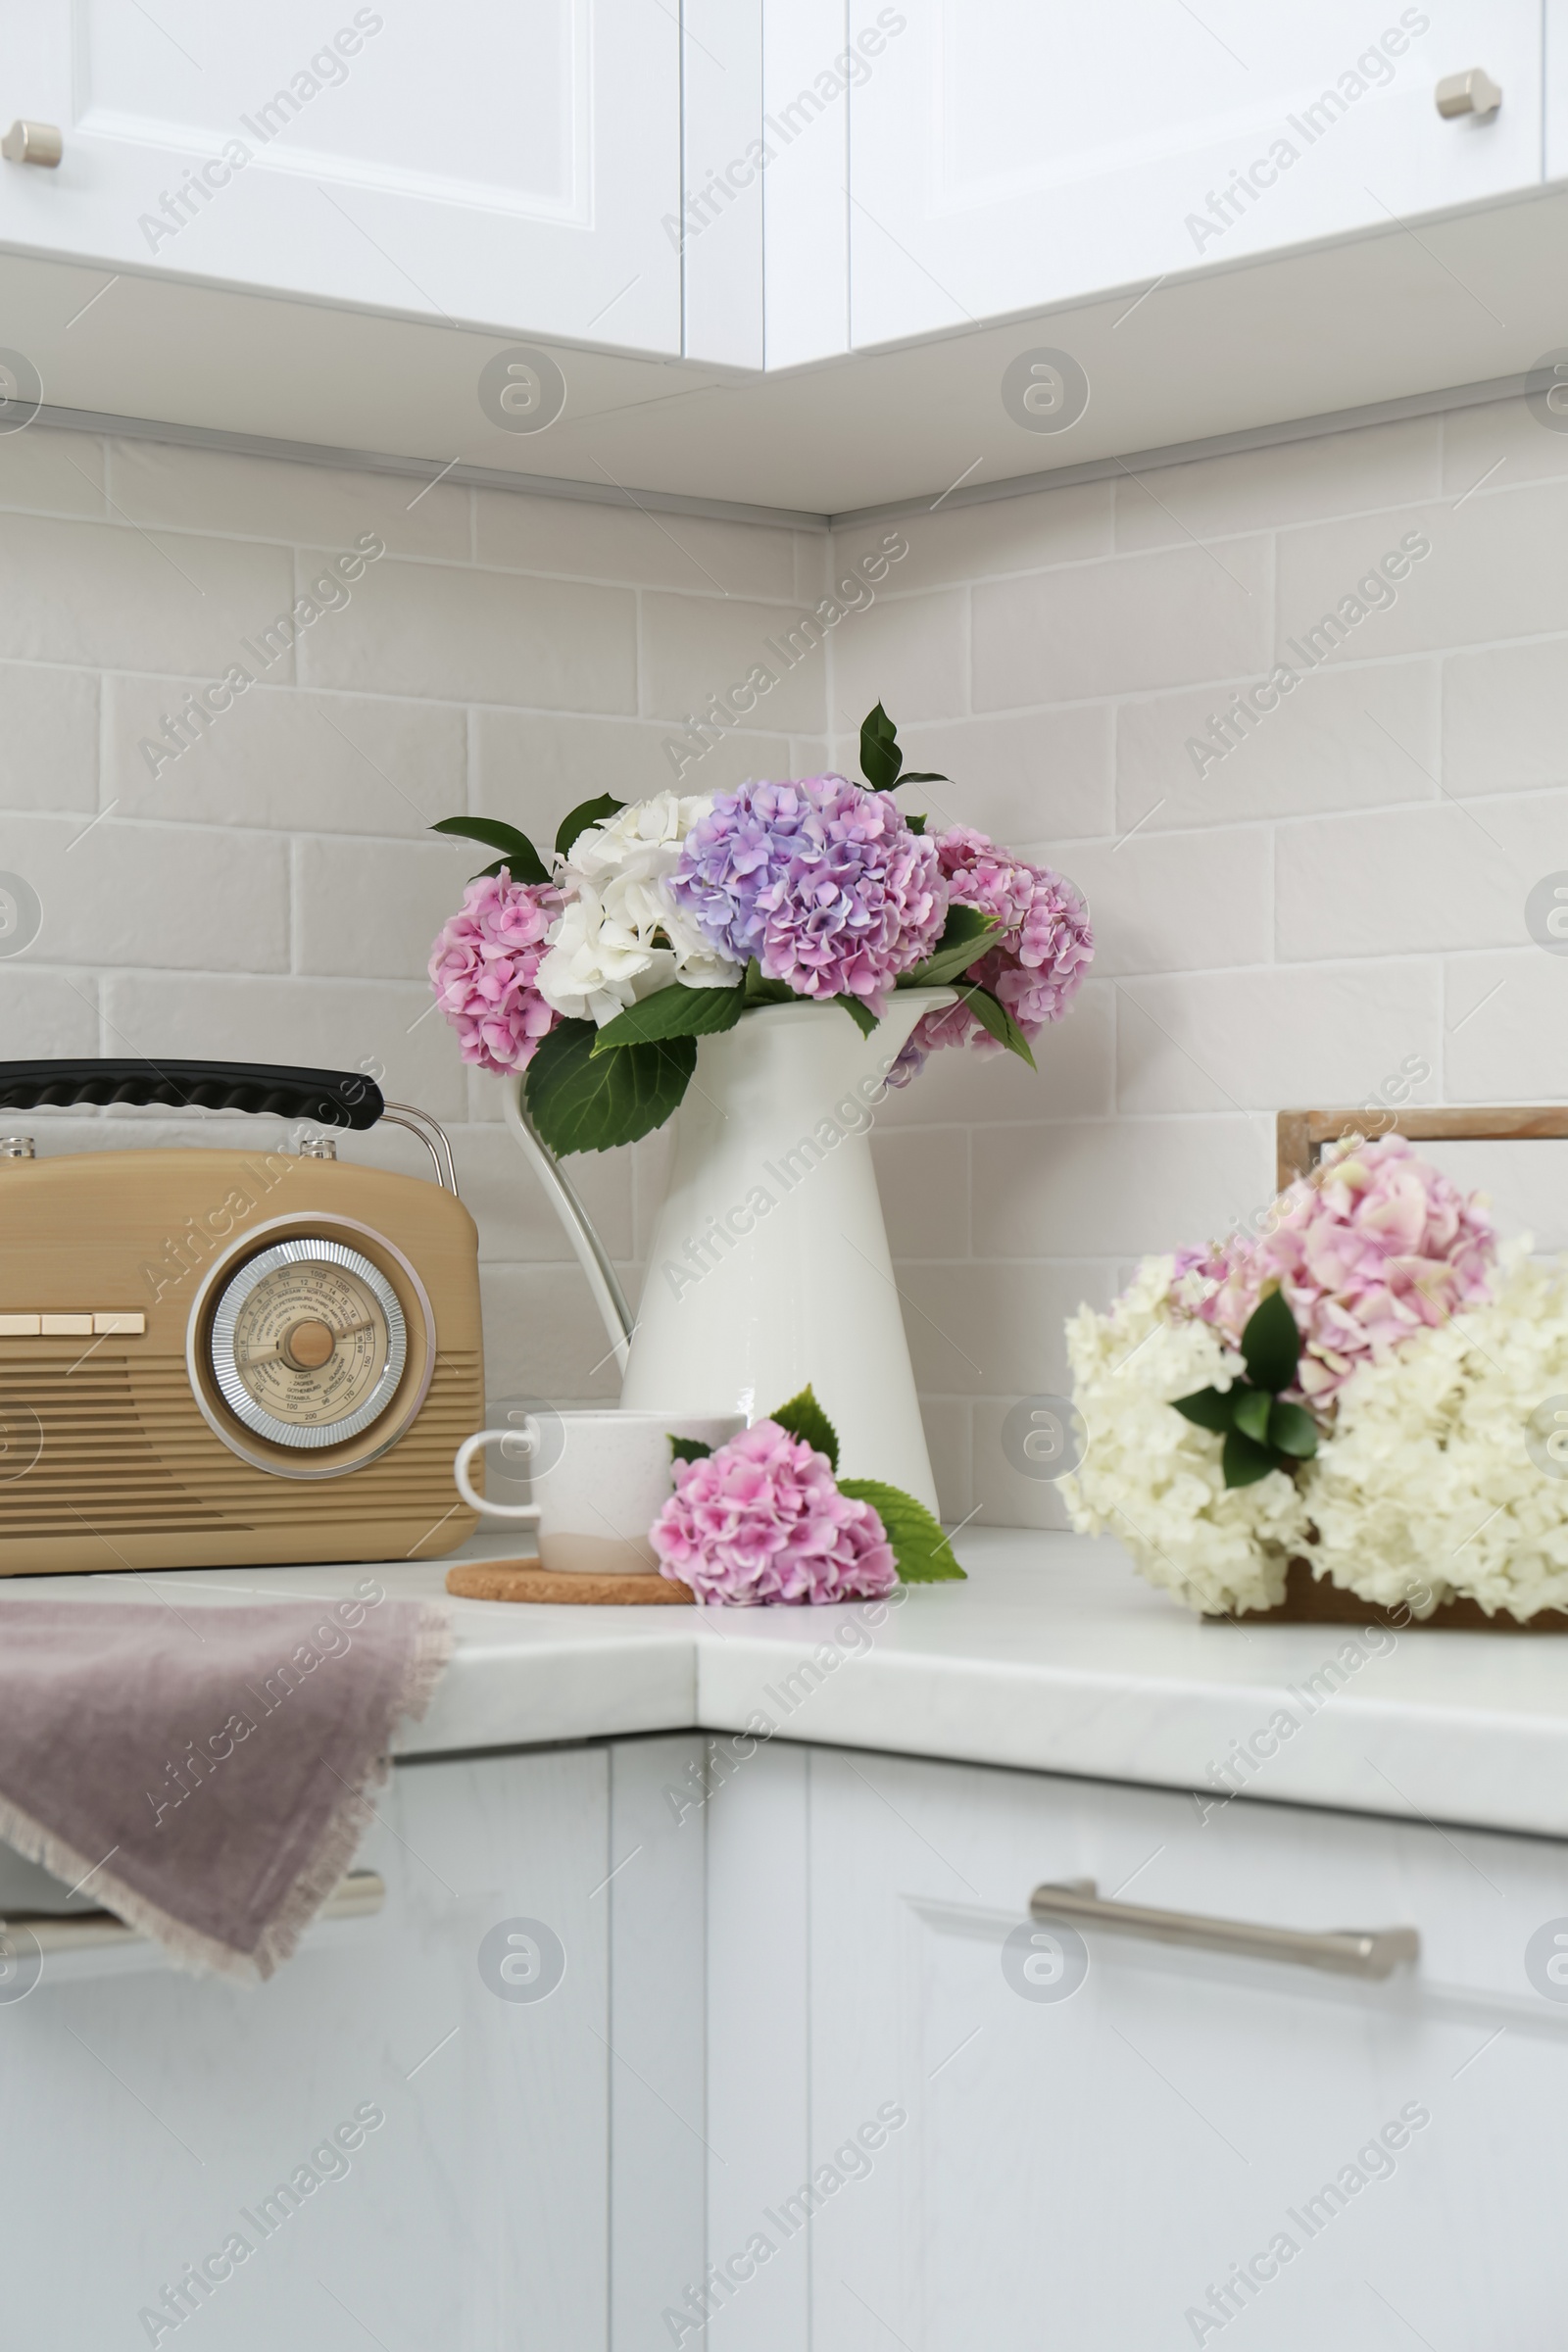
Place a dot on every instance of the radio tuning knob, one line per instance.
(17, 1147)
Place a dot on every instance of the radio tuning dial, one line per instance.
(308, 1344)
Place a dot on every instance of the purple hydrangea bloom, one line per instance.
(822, 881)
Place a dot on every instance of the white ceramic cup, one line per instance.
(600, 1479)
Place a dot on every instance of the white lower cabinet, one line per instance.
(393, 2142)
(990, 2158)
(616, 2069)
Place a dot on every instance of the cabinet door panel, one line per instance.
(1110, 2155)
(150, 2118)
(507, 166)
(1007, 156)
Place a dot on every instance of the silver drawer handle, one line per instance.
(1348, 1952)
(357, 1896)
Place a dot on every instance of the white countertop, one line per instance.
(1053, 1657)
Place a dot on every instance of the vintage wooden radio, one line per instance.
(211, 1358)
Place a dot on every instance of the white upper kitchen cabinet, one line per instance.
(1007, 155)
(508, 167)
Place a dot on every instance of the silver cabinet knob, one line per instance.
(1472, 93)
(32, 144)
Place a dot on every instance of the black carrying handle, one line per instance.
(333, 1098)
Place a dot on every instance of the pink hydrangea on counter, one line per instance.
(1034, 963)
(484, 968)
(763, 1519)
(1374, 1245)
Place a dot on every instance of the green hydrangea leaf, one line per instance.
(992, 1015)
(961, 944)
(581, 1102)
(517, 852)
(1244, 1462)
(921, 1550)
(1250, 1409)
(674, 1012)
(766, 992)
(688, 1449)
(1210, 1408)
(916, 825)
(1292, 1429)
(858, 1011)
(880, 756)
(578, 820)
(1271, 1344)
(805, 1418)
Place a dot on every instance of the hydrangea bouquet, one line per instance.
(1370, 1385)
(664, 921)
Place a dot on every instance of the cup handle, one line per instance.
(476, 1503)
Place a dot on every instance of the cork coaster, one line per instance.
(526, 1580)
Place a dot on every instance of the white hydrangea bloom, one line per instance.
(603, 952)
(1426, 1479)
(1153, 1479)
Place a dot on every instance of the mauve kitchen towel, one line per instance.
(204, 1771)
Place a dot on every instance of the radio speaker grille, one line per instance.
(112, 1447)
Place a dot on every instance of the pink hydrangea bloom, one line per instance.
(1035, 964)
(484, 968)
(1371, 1248)
(763, 1519)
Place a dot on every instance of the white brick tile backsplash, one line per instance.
(1074, 1076)
(1416, 880)
(48, 738)
(1118, 1188)
(1175, 902)
(997, 536)
(261, 498)
(906, 652)
(51, 474)
(1497, 568)
(1352, 738)
(286, 759)
(516, 1220)
(1506, 1020)
(543, 1338)
(532, 767)
(618, 543)
(440, 631)
(1503, 717)
(695, 646)
(1269, 1040)
(317, 1024)
(994, 1328)
(1122, 627)
(44, 1009)
(105, 595)
(1027, 775)
(1339, 898)
(371, 909)
(186, 900)
(1335, 474)
(1475, 439)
